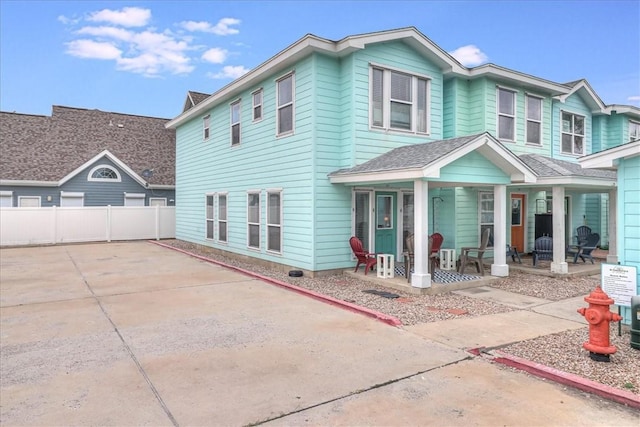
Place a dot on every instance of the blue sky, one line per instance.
(142, 57)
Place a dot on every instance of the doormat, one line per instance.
(382, 293)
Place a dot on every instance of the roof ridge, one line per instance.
(551, 163)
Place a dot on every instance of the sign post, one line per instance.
(620, 283)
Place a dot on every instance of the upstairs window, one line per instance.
(534, 120)
(506, 114)
(285, 106)
(104, 173)
(399, 101)
(235, 123)
(634, 131)
(572, 134)
(205, 127)
(257, 105)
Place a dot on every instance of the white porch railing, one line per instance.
(38, 226)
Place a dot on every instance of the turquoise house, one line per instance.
(625, 159)
(383, 134)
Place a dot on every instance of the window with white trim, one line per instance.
(134, 199)
(69, 199)
(534, 119)
(157, 201)
(399, 101)
(235, 123)
(29, 201)
(209, 216)
(253, 220)
(274, 221)
(572, 134)
(206, 123)
(222, 217)
(285, 105)
(6, 199)
(104, 173)
(257, 105)
(485, 202)
(506, 114)
(634, 131)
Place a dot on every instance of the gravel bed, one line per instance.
(561, 351)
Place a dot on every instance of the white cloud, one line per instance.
(110, 35)
(126, 17)
(469, 56)
(222, 28)
(229, 72)
(94, 50)
(635, 98)
(215, 55)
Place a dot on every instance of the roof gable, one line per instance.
(49, 149)
(608, 159)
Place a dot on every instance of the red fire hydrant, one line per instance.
(599, 316)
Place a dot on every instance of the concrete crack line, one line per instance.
(357, 392)
(126, 346)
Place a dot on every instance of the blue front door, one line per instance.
(386, 223)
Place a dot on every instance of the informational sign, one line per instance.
(620, 282)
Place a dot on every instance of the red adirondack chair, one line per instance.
(366, 258)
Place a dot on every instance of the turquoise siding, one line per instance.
(473, 168)
(629, 219)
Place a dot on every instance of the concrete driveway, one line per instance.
(136, 334)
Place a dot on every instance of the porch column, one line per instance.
(559, 263)
(421, 277)
(612, 257)
(499, 266)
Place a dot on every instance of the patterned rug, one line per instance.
(440, 276)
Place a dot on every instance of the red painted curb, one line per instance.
(389, 320)
(537, 369)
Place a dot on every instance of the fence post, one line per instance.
(157, 222)
(108, 223)
(54, 213)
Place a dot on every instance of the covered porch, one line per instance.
(424, 170)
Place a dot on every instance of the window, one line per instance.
(134, 199)
(274, 221)
(29, 201)
(157, 201)
(253, 220)
(209, 216)
(506, 114)
(104, 173)
(486, 214)
(206, 122)
(634, 131)
(257, 105)
(284, 105)
(384, 212)
(235, 123)
(534, 120)
(68, 199)
(6, 199)
(399, 101)
(572, 134)
(222, 217)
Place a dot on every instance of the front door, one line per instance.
(517, 221)
(386, 222)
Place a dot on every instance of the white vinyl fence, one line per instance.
(37, 226)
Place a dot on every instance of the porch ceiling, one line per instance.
(426, 160)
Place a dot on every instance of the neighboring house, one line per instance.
(625, 159)
(79, 157)
(383, 134)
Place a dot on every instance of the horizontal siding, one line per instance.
(473, 168)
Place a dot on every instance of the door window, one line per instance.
(384, 212)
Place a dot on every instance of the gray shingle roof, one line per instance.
(193, 99)
(409, 156)
(43, 148)
(548, 167)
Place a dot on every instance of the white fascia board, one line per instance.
(598, 105)
(576, 181)
(28, 183)
(375, 177)
(505, 73)
(608, 159)
(111, 157)
(624, 109)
